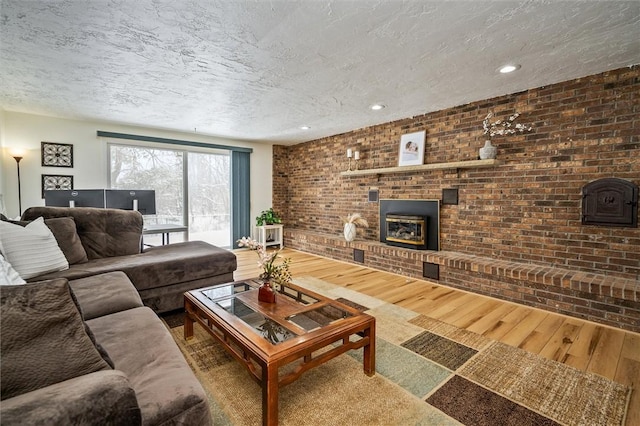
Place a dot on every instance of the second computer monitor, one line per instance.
(74, 198)
(143, 201)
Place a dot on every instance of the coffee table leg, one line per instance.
(188, 323)
(369, 355)
(269, 395)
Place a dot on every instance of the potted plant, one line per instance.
(267, 217)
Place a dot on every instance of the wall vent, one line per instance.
(431, 270)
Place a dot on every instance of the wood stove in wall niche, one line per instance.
(413, 224)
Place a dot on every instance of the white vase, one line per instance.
(488, 151)
(349, 231)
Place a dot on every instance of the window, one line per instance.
(192, 187)
(209, 198)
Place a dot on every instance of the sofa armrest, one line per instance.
(103, 396)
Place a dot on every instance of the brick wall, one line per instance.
(526, 210)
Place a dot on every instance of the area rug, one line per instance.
(428, 373)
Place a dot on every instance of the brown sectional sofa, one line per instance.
(143, 378)
(112, 241)
(149, 382)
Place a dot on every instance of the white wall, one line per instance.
(26, 131)
(2, 166)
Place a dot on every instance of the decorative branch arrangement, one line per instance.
(504, 127)
(270, 271)
(356, 219)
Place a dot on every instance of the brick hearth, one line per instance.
(608, 300)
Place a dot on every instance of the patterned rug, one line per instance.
(428, 373)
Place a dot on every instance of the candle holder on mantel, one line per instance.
(355, 155)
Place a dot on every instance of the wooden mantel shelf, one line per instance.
(469, 164)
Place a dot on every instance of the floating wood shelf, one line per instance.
(469, 164)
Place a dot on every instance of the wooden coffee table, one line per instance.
(302, 327)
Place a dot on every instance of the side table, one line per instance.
(270, 235)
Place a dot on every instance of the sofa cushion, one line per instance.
(160, 266)
(64, 230)
(43, 338)
(105, 294)
(103, 232)
(100, 398)
(142, 347)
(32, 250)
(179, 262)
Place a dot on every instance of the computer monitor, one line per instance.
(74, 198)
(143, 201)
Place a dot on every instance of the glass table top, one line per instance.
(269, 329)
(316, 318)
(224, 296)
(225, 290)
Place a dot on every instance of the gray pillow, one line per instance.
(42, 338)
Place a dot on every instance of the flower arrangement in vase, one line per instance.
(352, 221)
(270, 270)
(499, 128)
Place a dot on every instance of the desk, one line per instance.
(164, 229)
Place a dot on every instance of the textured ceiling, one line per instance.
(258, 70)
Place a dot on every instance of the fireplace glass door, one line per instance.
(406, 229)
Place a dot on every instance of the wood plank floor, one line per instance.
(587, 346)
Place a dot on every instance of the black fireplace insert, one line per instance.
(406, 230)
(425, 237)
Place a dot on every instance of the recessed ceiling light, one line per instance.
(377, 107)
(304, 127)
(509, 68)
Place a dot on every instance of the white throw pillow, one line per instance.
(8, 275)
(31, 250)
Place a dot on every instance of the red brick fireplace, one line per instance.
(516, 231)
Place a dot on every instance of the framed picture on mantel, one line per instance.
(411, 150)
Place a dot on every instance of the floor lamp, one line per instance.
(18, 158)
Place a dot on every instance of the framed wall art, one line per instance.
(57, 154)
(56, 182)
(411, 150)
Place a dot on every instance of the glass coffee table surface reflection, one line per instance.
(224, 297)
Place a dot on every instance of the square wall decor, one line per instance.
(57, 154)
(56, 182)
